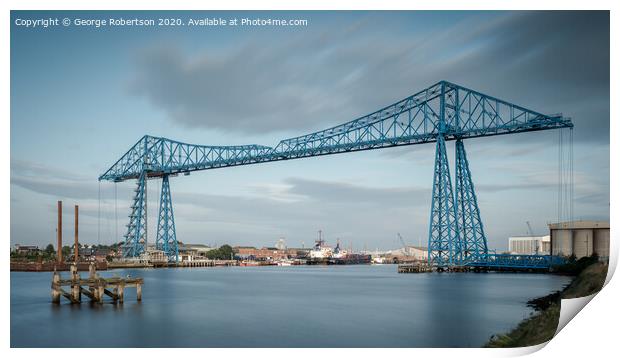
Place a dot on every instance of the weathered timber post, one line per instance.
(75, 293)
(121, 292)
(100, 292)
(92, 276)
(75, 284)
(92, 271)
(139, 291)
(55, 291)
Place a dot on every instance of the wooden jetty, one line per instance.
(94, 287)
(414, 268)
(424, 267)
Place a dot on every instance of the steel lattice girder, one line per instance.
(444, 246)
(473, 239)
(416, 119)
(135, 238)
(166, 230)
(517, 261)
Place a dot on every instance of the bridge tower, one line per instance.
(166, 230)
(456, 235)
(443, 237)
(136, 236)
(472, 237)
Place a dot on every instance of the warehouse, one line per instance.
(580, 238)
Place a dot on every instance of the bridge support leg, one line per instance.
(135, 239)
(166, 231)
(443, 238)
(473, 239)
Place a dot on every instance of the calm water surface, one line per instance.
(300, 306)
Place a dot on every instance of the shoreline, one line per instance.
(541, 326)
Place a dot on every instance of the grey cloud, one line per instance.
(311, 78)
(494, 188)
(55, 187)
(347, 193)
(27, 168)
(62, 184)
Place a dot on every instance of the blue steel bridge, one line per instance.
(442, 112)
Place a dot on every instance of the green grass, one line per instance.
(541, 327)
(534, 330)
(589, 281)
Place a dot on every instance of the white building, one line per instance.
(529, 245)
(281, 244)
(413, 252)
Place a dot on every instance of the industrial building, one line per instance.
(529, 245)
(580, 238)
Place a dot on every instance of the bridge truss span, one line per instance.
(440, 113)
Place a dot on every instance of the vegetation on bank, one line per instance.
(224, 252)
(541, 326)
(49, 253)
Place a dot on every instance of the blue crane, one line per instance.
(440, 113)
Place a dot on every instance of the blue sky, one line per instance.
(80, 97)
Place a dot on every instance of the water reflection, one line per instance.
(344, 306)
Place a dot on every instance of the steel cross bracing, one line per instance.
(135, 239)
(166, 232)
(444, 242)
(507, 261)
(472, 238)
(443, 110)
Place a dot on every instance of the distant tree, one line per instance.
(213, 254)
(224, 252)
(66, 252)
(50, 249)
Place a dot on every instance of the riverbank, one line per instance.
(541, 326)
(52, 266)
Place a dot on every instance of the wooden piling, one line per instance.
(121, 292)
(98, 287)
(55, 292)
(139, 292)
(100, 291)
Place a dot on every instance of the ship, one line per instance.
(320, 253)
(323, 254)
(342, 257)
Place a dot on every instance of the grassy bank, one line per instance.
(541, 326)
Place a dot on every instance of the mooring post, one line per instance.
(75, 284)
(92, 271)
(100, 292)
(92, 275)
(75, 293)
(55, 291)
(121, 292)
(139, 291)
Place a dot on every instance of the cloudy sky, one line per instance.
(80, 97)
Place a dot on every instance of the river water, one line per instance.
(298, 306)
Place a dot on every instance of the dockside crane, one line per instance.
(405, 247)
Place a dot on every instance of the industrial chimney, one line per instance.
(76, 254)
(59, 232)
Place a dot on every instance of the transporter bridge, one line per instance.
(442, 112)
